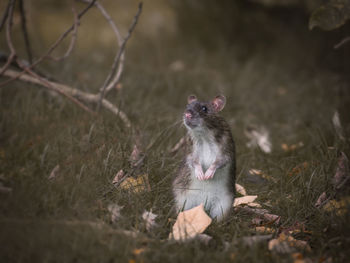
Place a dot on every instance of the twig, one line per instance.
(8, 37)
(73, 39)
(48, 85)
(5, 15)
(84, 96)
(25, 32)
(117, 59)
(52, 48)
(347, 39)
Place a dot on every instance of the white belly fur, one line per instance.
(213, 193)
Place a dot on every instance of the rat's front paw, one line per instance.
(199, 173)
(209, 173)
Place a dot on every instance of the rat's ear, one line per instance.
(191, 98)
(218, 103)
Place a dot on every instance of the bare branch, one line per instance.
(73, 39)
(48, 85)
(25, 32)
(52, 48)
(5, 15)
(345, 40)
(109, 83)
(9, 38)
(61, 88)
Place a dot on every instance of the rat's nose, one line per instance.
(188, 115)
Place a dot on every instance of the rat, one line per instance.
(207, 175)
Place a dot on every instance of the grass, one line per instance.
(67, 220)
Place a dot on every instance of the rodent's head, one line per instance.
(197, 113)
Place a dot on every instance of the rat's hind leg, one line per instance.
(221, 207)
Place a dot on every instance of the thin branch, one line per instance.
(9, 38)
(117, 58)
(48, 85)
(5, 15)
(25, 32)
(84, 96)
(52, 48)
(345, 40)
(73, 39)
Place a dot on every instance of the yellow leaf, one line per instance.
(339, 207)
(265, 230)
(138, 184)
(190, 223)
(138, 251)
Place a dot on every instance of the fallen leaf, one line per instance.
(263, 213)
(190, 223)
(149, 219)
(299, 168)
(321, 200)
(257, 221)
(118, 177)
(244, 200)
(255, 171)
(137, 185)
(54, 172)
(262, 175)
(287, 244)
(135, 156)
(289, 148)
(138, 251)
(259, 136)
(342, 174)
(253, 240)
(339, 207)
(240, 189)
(114, 210)
(265, 230)
(253, 204)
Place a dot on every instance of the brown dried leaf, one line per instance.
(54, 172)
(321, 200)
(265, 230)
(244, 200)
(135, 155)
(118, 177)
(287, 244)
(190, 223)
(240, 189)
(299, 168)
(342, 174)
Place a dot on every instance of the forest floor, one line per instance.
(281, 86)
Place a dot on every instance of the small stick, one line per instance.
(25, 32)
(347, 39)
(5, 15)
(49, 86)
(73, 39)
(8, 37)
(64, 89)
(52, 48)
(118, 56)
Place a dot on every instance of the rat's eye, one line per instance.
(204, 109)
